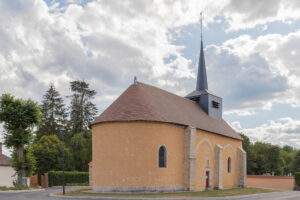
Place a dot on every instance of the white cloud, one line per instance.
(284, 131)
(239, 14)
(250, 13)
(104, 42)
(108, 42)
(255, 73)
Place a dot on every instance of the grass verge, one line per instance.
(212, 193)
(19, 187)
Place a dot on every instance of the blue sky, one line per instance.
(251, 48)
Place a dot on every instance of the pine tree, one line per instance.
(54, 120)
(82, 110)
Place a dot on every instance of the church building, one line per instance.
(149, 139)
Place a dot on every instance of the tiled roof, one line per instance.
(4, 160)
(142, 102)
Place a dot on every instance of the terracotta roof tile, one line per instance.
(142, 102)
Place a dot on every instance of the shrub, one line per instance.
(56, 178)
(297, 178)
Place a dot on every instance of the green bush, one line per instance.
(297, 178)
(56, 178)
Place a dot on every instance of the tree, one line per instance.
(28, 163)
(266, 158)
(246, 143)
(81, 150)
(48, 151)
(274, 162)
(288, 154)
(19, 118)
(248, 147)
(54, 115)
(82, 110)
(296, 162)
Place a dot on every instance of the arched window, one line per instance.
(162, 157)
(229, 165)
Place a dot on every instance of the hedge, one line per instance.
(71, 178)
(297, 178)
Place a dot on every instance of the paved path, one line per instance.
(44, 195)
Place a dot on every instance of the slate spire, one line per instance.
(201, 77)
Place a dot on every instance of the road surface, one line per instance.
(44, 195)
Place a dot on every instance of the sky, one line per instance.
(252, 51)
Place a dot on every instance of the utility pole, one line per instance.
(63, 171)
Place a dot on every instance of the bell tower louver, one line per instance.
(210, 103)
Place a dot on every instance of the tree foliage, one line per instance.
(19, 117)
(72, 130)
(247, 146)
(82, 153)
(63, 138)
(28, 162)
(54, 117)
(82, 110)
(296, 163)
(51, 154)
(288, 154)
(265, 158)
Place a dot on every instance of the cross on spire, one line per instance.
(201, 77)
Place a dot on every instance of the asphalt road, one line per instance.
(44, 195)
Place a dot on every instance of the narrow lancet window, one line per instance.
(229, 165)
(162, 157)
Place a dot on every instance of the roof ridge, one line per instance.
(166, 91)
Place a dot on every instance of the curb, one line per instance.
(21, 191)
(121, 198)
(157, 198)
(166, 198)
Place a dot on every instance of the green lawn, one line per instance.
(212, 193)
(4, 188)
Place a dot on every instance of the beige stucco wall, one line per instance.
(125, 157)
(206, 143)
(6, 173)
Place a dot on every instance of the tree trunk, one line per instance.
(20, 171)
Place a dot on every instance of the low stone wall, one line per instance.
(45, 180)
(272, 182)
(34, 181)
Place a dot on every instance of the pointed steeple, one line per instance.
(209, 102)
(201, 77)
